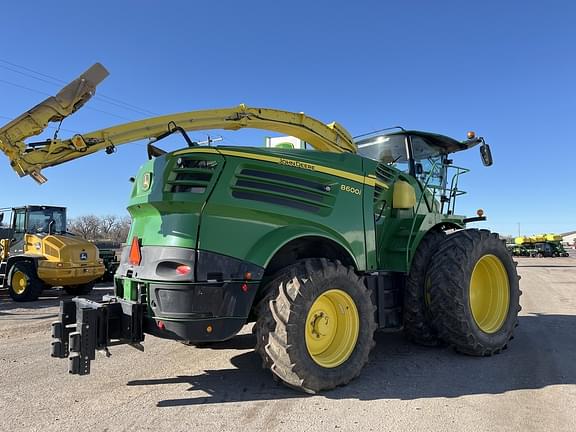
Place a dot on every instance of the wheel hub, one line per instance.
(19, 282)
(321, 324)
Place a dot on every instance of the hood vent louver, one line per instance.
(284, 190)
(191, 175)
(385, 175)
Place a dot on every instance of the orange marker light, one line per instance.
(480, 212)
(471, 134)
(135, 256)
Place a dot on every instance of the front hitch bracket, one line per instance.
(85, 326)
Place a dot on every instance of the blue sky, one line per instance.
(504, 69)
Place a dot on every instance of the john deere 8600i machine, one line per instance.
(36, 253)
(320, 248)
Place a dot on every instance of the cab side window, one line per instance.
(20, 222)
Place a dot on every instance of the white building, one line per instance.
(569, 238)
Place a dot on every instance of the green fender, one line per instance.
(266, 248)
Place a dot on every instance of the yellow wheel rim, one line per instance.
(489, 293)
(332, 327)
(19, 282)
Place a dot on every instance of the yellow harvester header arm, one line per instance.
(31, 159)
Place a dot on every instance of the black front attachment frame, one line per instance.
(85, 326)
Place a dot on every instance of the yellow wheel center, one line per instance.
(19, 282)
(489, 293)
(332, 328)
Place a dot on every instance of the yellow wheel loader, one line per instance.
(36, 253)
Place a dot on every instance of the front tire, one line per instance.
(316, 331)
(24, 282)
(474, 292)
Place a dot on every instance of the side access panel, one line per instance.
(257, 201)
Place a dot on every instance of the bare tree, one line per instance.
(86, 226)
(119, 232)
(107, 224)
(92, 227)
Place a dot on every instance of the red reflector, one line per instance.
(183, 269)
(244, 287)
(161, 325)
(135, 257)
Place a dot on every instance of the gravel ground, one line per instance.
(531, 386)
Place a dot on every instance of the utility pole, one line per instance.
(210, 140)
(518, 229)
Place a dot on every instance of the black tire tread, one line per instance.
(282, 309)
(35, 285)
(450, 277)
(418, 325)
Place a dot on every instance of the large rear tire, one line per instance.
(24, 284)
(316, 331)
(417, 319)
(474, 292)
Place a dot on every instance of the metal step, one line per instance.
(2, 273)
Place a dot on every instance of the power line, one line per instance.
(31, 70)
(56, 81)
(52, 83)
(48, 94)
(51, 127)
(114, 101)
(28, 75)
(24, 87)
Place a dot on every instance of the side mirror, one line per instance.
(486, 154)
(1, 217)
(419, 169)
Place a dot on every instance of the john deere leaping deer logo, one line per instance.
(83, 256)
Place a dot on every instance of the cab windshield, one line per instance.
(387, 149)
(424, 156)
(408, 153)
(47, 220)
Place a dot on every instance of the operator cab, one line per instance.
(37, 220)
(423, 155)
(406, 149)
